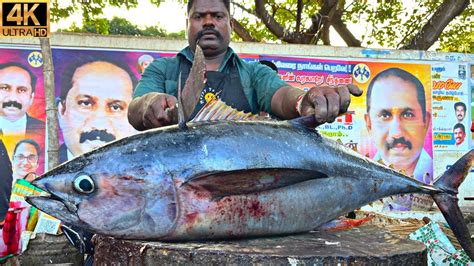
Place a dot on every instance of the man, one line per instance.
(250, 87)
(397, 121)
(17, 91)
(92, 109)
(460, 111)
(459, 134)
(5, 182)
(143, 62)
(26, 160)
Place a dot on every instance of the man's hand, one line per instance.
(327, 103)
(162, 111)
(153, 110)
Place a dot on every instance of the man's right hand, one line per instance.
(153, 110)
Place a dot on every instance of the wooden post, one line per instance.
(51, 109)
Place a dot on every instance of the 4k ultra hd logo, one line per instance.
(24, 18)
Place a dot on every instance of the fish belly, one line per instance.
(297, 208)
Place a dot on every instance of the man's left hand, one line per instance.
(327, 103)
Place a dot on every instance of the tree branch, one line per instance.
(431, 31)
(269, 21)
(325, 34)
(335, 18)
(242, 32)
(243, 8)
(276, 28)
(411, 29)
(319, 20)
(298, 15)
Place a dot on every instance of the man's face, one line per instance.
(16, 93)
(460, 113)
(25, 160)
(95, 109)
(459, 135)
(209, 22)
(395, 122)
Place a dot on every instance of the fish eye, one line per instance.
(84, 184)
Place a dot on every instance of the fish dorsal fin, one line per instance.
(380, 161)
(339, 141)
(194, 84)
(216, 109)
(367, 155)
(403, 171)
(391, 166)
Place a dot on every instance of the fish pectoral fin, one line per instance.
(246, 181)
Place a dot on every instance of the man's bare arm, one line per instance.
(284, 102)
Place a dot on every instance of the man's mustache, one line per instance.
(101, 135)
(208, 30)
(12, 104)
(391, 144)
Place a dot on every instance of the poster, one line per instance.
(95, 113)
(22, 109)
(305, 73)
(403, 119)
(451, 123)
(397, 120)
(94, 89)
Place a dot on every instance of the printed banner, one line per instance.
(22, 109)
(94, 89)
(471, 109)
(407, 112)
(306, 73)
(396, 128)
(450, 102)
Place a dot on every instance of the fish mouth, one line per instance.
(56, 207)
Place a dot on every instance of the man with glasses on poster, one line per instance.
(25, 160)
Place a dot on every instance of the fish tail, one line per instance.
(447, 200)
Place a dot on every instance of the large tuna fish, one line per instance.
(224, 179)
